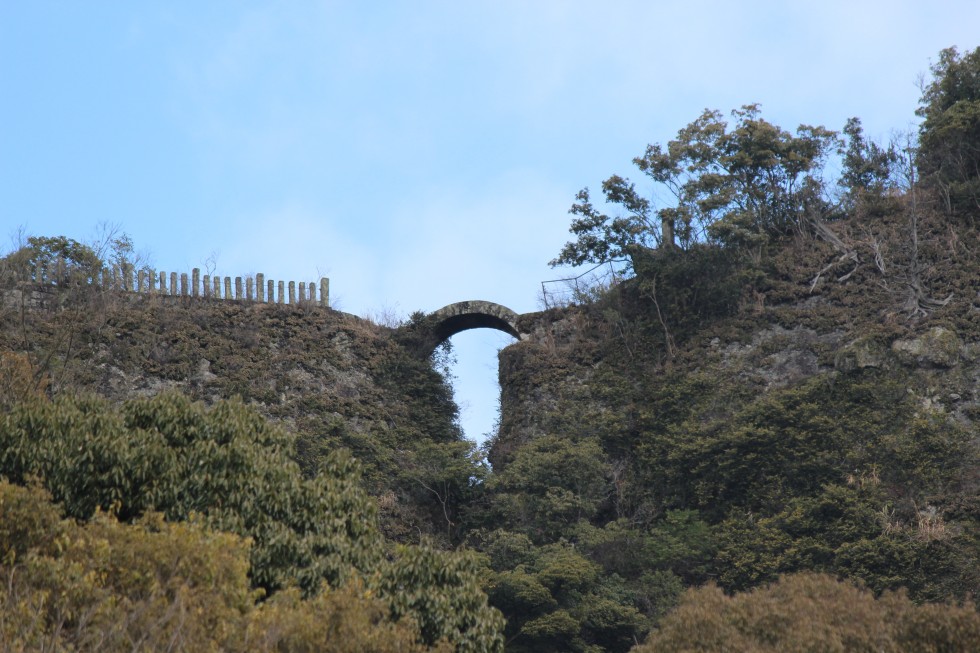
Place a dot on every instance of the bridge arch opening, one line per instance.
(475, 370)
(450, 326)
(474, 373)
(463, 316)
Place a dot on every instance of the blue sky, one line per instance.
(417, 153)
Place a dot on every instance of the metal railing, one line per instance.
(581, 288)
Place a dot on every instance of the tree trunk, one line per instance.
(667, 233)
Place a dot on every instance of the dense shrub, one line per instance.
(231, 470)
(812, 612)
(152, 585)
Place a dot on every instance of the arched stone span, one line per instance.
(476, 314)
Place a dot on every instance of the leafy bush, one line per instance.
(812, 612)
(552, 482)
(233, 469)
(169, 455)
(158, 586)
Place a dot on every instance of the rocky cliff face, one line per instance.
(331, 378)
(901, 300)
(550, 379)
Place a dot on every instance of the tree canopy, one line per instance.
(738, 185)
(231, 469)
(812, 612)
(949, 136)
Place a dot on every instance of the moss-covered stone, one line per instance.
(937, 347)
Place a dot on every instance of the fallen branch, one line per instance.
(846, 256)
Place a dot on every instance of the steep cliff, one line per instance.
(733, 419)
(333, 379)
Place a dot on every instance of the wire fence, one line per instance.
(582, 288)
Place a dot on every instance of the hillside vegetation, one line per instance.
(764, 437)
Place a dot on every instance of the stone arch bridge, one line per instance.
(449, 320)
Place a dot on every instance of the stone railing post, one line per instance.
(238, 288)
(271, 291)
(151, 281)
(196, 282)
(183, 284)
(207, 286)
(216, 291)
(324, 291)
(249, 288)
(260, 288)
(140, 280)
(173, 283)
(292, 292)
(282, 286)
(302, 292)
(227, 287)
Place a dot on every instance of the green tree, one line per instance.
(557, 599)
(949, 136)
(811, 612)
(680, 543)
(46, 253)
(74, 263)
(108, 586)
(234, 469)
(446, 477)
(170, 455)
(867, 166)
(441, 592)
(740, 186)
(552, 483)
(844, 477)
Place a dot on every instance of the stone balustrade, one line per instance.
(257, 289)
